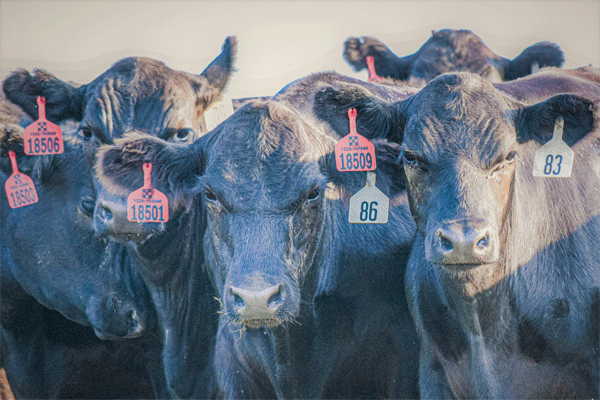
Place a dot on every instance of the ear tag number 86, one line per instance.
(147, 204)
(354, 152)
(369, 205)
(555, 158)
(42, 137)
(19, 188)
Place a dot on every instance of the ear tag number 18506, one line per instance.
(369, 205)
(42, 137)
(19, 188)
(147, 204)
(555, 158)
(354, 152)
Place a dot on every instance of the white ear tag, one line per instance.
(555, 158)
(369, 205)
(218, 112)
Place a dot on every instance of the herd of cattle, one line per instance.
(483, 283)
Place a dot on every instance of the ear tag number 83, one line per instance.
(369, 205)
(555, 158)
(354, 152)
(19, 188)
(42, 137)
(147, 204)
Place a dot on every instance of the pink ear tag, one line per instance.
(373, 77)
(147, 204)
(354, 152)
(19, 188)
(42, 137)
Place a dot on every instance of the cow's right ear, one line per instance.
(376, 118)
(175, 167)
(63, 101)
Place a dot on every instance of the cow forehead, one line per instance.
(459, 115)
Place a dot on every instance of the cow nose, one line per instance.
(256, 304)
(463, 243)
(117, 319)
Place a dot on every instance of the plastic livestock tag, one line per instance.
(369, 205)
(555, 158)
(354, 152)
(19, 188)
(147, 204)
(43, 137)
(373, 77)
(218, 112)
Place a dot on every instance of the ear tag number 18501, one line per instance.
(555, 158)
(19, 188)
(42, 137)
(147, 204)
(354, 152)
(369, 205)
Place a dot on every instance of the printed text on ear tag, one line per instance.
(373, 77)
(369, 205)
(217, 113)
(19, 188)
(43, 137)
(147, 204)
(555, 158)
(354, 152)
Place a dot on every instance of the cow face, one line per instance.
(51, 248)
(463, 143)
(265, 200)
(135, 93)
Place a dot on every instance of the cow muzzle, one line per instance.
(465, 243)
(258, 302)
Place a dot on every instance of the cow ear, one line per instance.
(63, 101)
(376, 118)
(539, 55)
(175, 167)
(536, 122)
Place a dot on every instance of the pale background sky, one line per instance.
(278, 41)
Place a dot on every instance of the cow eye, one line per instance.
(211, 198)
(183, 134)
(87, 133)
(87, 205)
(313, 195)
(409, 158)
(510, 157)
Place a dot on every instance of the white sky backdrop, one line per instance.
(278, 41)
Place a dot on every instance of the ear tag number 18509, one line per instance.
(19, 188)
(555, 158)
(369, 205)
(42, 137)
(147, 204)
(354, 152)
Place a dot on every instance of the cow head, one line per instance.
(135, 93)
(51, 248)
(450, 50)
(463, 143)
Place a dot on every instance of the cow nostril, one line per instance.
(238, 302)
(446, 244)
(106, 213)
(484, 242)
(276, 298)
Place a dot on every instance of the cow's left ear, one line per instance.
(211, 82)
(536, 122)
(175, 167)
(539, 55)
(376, 118)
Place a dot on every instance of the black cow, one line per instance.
(135, 93)
(53, 266)
(450, 50)
(504, 275)
(311, 305)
